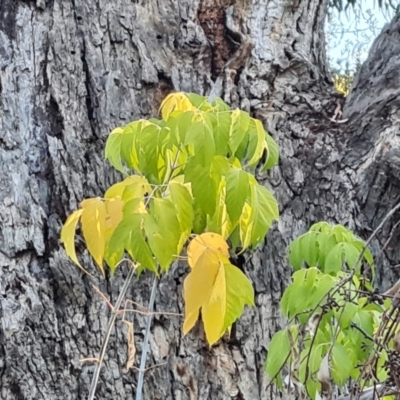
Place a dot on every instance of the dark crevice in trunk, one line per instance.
(89, 104)
(211, 17)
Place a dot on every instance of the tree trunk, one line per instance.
(71, 71)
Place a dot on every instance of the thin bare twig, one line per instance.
(110, 326)
(145, 346)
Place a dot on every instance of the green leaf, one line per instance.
(239, 292)
(265, 210)
(326, 242)
(204, 186)
(164, 232)
(309, 248)
(151, 145)
(128, 144)
(322, 227)
(351, 254)
(295, 254)
(183, 203)
(365, 321)
(342, 364)
(237, 190)
(113, 149)
(200, 102)
(272, 153)
(220, 105)
(334, 259)
(221, 123)
(322, 286)
(278, 352)
(345, 315)
(200, 136)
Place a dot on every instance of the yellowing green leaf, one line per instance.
(220, 222)
(114, 215)
(206, 243)
(257, 142)
(129, 235)
(272, 153)
(138, 187)
(113, 149)
(238, 129)
(68, 236)
(93, 226)
(128, 143)
(246, 225)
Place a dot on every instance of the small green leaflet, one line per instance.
(328, 247)
(265, 210)
(200, 136)
(278, 353)
(341, 364)
(237, 190)
(272, 153)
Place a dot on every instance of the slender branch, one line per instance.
(145, 347)
(375, 232)
(110, 326)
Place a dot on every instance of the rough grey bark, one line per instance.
(71, 71)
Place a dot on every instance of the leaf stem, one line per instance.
(145, 347)
(110, 326)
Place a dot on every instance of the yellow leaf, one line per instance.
(205, 243)
(220, 290)
(197, 287)
(93, 226)
(213, 311)
(68, 236)
(175, 102)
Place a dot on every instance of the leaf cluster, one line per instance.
(332, 321)
(188, 173)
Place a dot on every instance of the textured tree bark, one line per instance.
(71, 71)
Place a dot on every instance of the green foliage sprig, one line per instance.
(336, 331)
